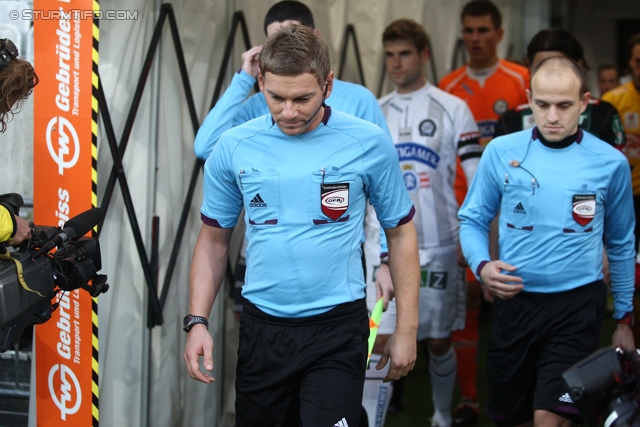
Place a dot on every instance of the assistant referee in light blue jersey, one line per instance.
(562, 195)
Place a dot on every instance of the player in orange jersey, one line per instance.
(490, 86)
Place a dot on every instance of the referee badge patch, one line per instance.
(584, 208)
(334, 199)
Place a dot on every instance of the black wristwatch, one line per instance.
(190, 320)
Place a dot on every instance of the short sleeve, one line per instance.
(387, 191)
(222, 199)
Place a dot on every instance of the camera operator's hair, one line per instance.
(477, 8)
(557, 63)
(289, 10)
(557, 40)
(294, 50)
(407, 29)
(17, 81)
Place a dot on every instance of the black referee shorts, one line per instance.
(308, 371)
(535, 338)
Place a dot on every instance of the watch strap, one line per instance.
(190, 320)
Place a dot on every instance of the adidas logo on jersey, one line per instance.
(257, 202)
(519, 209)
(341, 423)
(565, 398)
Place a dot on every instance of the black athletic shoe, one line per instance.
(466, 413)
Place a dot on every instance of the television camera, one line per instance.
(32, 276)
(604, 387)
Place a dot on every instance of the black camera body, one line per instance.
(604, 387)
(32, 276)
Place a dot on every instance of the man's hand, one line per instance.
(384, 286)
(501, 285)
(623, 338)
(199, 343)
(402, 351)
(250, 61)
(23, 232)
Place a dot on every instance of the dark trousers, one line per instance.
(308, 371)
(534, 338)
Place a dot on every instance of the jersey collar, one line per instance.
(576, 137)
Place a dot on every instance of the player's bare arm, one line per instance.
(404, 266)
(207, 273)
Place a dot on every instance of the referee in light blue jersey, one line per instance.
(303, 174)
(561, 193)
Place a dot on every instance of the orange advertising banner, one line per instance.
(65, 40)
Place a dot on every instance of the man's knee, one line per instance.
(439, 346)
(549, 419)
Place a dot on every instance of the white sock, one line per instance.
(376, 395)
(443, 378)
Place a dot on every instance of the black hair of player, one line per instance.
(477, 8)
(557, 40)
(289, 10)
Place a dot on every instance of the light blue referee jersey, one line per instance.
(304, 198)
(232, 109)
(555, 204)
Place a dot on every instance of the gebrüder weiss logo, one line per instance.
(65, 390)
(63, 143)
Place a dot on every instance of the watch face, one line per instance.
(186, 322)
(190, 320)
